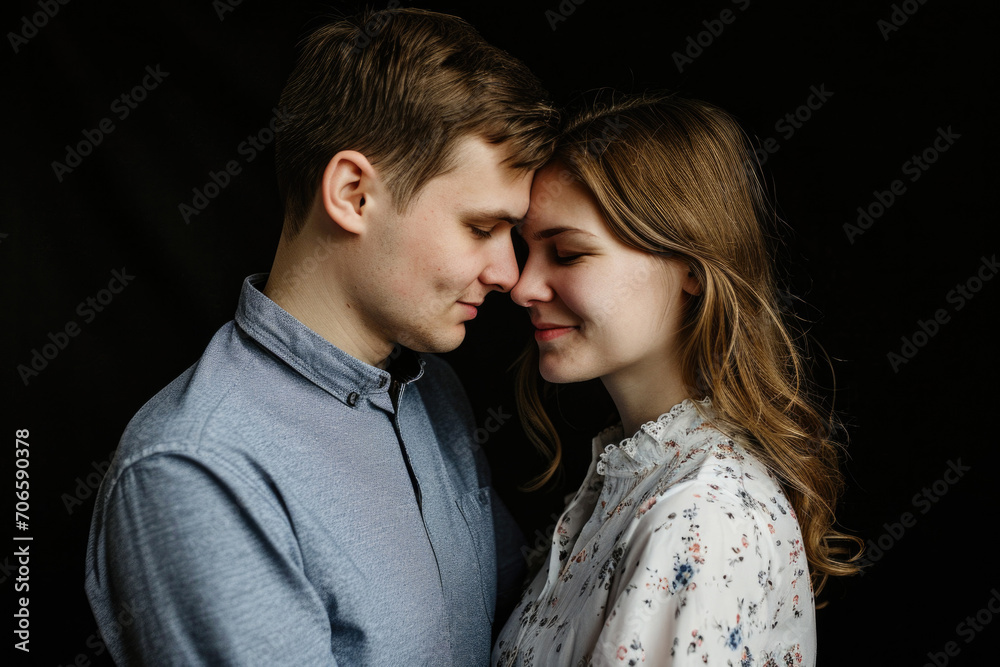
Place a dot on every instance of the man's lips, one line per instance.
(472, 309)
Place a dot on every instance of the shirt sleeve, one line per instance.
(695, 587)
(190, 565)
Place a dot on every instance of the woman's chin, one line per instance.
(561, 373)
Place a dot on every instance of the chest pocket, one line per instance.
(477, 510)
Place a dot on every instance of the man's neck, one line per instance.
(304, 283)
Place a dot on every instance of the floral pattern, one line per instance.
(680, 548)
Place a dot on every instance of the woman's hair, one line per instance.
(677, 175)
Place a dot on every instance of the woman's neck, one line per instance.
(645, 391)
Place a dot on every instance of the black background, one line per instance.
(118, 209)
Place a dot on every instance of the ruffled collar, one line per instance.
(655, 443)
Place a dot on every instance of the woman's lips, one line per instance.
(551, 333)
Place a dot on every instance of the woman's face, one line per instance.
(599, 307)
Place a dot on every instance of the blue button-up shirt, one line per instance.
(283, 503)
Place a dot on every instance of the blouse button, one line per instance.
(352, 399)
(381, 382)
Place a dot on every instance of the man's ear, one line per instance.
(348, 183)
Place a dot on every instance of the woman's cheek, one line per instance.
(614, 295)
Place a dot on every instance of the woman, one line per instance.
(706, 516)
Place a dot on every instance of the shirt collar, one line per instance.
(346, 378)
(656, 443)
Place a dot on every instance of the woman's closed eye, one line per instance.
(568, 254)
(568, 258)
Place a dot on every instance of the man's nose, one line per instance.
(501, 273)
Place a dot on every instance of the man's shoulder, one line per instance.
(191, 397)
(215, 395)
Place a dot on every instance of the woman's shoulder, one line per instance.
(717, 551)
(723, 471)
(724, 489)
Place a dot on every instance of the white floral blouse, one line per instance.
(679, 549)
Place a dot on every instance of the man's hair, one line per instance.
(403, 87)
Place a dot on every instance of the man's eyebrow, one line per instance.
(555, 231)
(506, 216)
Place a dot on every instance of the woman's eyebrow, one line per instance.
(555, 231)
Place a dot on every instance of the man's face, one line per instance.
(436, 263)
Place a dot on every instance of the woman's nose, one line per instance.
(531, 286)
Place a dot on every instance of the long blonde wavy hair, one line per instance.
(675, 175)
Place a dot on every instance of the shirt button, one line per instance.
(352, 398)
(381, 382)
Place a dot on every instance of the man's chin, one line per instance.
(440, 342)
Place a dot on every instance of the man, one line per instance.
(304, 494)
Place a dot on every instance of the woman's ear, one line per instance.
(346, 188)
(691, 285)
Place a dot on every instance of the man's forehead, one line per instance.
(486, 185)
(475, 152)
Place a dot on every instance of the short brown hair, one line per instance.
(403, 86)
